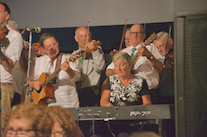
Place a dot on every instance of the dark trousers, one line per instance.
(16, 100)
(89, 96)
(153, 94)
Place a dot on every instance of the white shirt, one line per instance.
(143, 66)
(12, 51)
(65, 89)
(92, 68)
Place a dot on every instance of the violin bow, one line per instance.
(87, 35)
(168, 37)
(10, 115)
(122, 37)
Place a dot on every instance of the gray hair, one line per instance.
(163, 35)
(45, 36)
(124, 56)
(13, 23)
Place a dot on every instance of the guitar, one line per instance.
(46, 89)
(152, 37)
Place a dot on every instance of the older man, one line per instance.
(165, 46)
(91, 66)
(150, 62)
(64, 89)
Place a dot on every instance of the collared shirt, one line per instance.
(93, 65)
(143, 66)
(65, 89)
(12, 51)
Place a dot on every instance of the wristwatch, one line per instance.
(150, 57)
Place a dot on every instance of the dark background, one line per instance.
(109, 36)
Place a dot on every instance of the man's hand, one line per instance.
(37, 85)
(113, 52)
(92, 45)
(65, 66)
(142, 51)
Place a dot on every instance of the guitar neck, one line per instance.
(147, 42)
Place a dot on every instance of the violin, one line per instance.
(170, 59)
(3, 31)
(96, 43)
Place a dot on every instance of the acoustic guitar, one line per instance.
(46, 89)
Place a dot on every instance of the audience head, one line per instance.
(64, 124)
(123, 63)
(163, 42)
(126, 38)
(28, 120)
(4, 13)
(50, 44)
(82, 36)
(12, 24)
(137, 34)
(145, 134)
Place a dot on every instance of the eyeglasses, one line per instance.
(52, 45)
(82, 37)
(19, 132)
(58, 134)
(136, 33)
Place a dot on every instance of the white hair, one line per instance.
(163, 35)
(13, 23)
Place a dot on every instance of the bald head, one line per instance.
(137, 34)
(82, 36)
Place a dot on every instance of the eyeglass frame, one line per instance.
(50, 46)
(63, 132)
(22, 130)
(136, 33)
(82, 37)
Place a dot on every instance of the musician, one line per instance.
(165, 91)
(11, 47)
(150, 62)
(18, 74)
(28, 120)
(64, 124)
(124, 89)
(90, 66)
(65, 93)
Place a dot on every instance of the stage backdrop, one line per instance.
(110, 36)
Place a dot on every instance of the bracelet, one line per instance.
(108, 104)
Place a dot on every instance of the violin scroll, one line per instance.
(3, 31)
